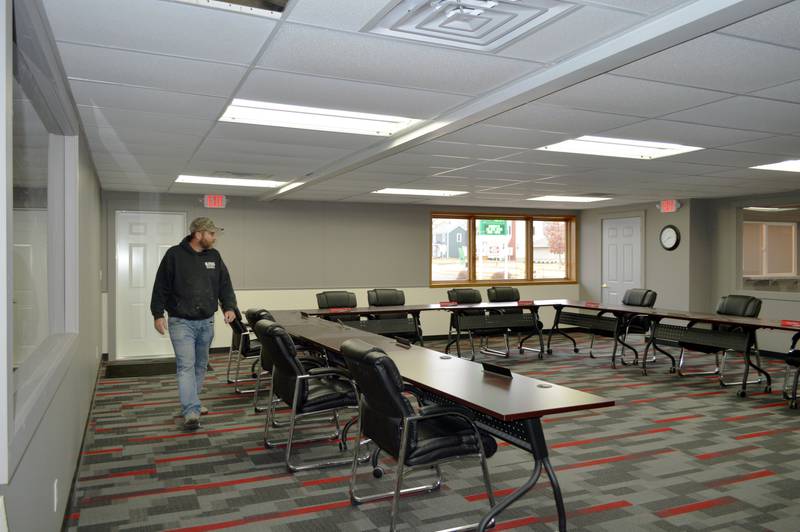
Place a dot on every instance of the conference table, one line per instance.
(738, 333)
(508, 407)
(494, 320)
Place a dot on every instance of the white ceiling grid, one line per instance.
(151, 78)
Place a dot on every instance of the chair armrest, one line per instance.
(309, 363)
(430, 411)
(328, 371)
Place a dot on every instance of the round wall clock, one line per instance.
(669, 237)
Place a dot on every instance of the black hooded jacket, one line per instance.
(189, 284)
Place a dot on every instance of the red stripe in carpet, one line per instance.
(765, 433)
(608, 438)
(136, 473)
(741, 478)
(326, 480)
(525, 521)
(695, 507)
(671, 419)
(705, 394)
(265, 517)
(191, 457)
(196, 433)
(770, 405)
(727, 452)
(102, 451)
(189, 487)
(647, 400)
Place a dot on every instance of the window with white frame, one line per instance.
(769, 249)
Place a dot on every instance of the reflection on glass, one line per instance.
(449, 250)
(549, 249)
(499, 249)
(31, 324)
(769, 248)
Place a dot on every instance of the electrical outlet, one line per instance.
(55, 495)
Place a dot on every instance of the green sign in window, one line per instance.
(492, 227)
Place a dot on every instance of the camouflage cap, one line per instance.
(203, 224)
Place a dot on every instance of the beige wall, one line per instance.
(53, 451)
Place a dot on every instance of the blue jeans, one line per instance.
(191, 340)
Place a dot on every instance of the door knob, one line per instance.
(605, 285)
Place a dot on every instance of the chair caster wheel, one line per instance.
(575, 350)
(377, 472)
(549, 351)
(793, 405)
(672, 370)
(785, 396)
(741, 393)
(767, 389)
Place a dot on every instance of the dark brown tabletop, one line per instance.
(418, 308)
(460, 380)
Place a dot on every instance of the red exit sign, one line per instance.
(669, 205)
(214, 201)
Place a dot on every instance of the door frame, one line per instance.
(112, 281)
(642, 215)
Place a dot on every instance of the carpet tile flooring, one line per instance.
(675, 453)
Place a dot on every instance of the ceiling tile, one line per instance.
(147, 163)
(159, 150)
(462, 149)
(780, 145)
(351, 15)
(161, 27)
(648, 7)
(559, 119)
(507, 138)
(300, 137)
(739, 159)
(719, 62)
(683, 133)
(149, 70)
(213, 146)
(743, 112)
(330, 53)
(120, 118)
(778, 25)
(570, 33)
(617, 94)
(332, 93)
(789, 92)
(137, 187)
(143, 99)
(117, 139)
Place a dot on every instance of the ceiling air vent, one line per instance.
(485, 25)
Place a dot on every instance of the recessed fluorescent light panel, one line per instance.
(770, 209)
(316, 118)
(627, 148)
(289, 187)
(229, 181)
(419, 192)
(785, 166)
(569, 199)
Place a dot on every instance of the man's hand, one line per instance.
(161, 325)
(229, 316)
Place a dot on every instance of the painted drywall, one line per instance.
(666, 272)
(280, 254)
(701, 250)
(53, 451)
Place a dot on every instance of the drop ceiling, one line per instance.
(152, 77)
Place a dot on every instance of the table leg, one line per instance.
(748, 364)
(553, 328)
(540, 459)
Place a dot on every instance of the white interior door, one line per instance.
(622, 258)
(31, 324)
(142, 239)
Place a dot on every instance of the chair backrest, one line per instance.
(336, 299)
(381, 387)
(742, 306)
(254, 315)
(385, 297)
(464, 295)
(278, 349)
(639, 297)
(239, 332)
(501, 294)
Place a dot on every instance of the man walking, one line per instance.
(191, 279)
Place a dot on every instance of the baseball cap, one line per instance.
(203, 224)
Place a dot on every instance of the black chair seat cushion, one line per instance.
(325, 394)
(793, 358)
(445, 437)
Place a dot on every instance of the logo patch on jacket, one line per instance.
(211, 265)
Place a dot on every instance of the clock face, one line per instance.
(670, 237)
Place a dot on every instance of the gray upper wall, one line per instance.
(299, 244)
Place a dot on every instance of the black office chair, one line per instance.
(243, 347)
(426, 438)
(458, 324)
(730, 305)
(338, 299)
(792, 361)
(407, 325)
(309, 393)
(502, 294)
(637, 323)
